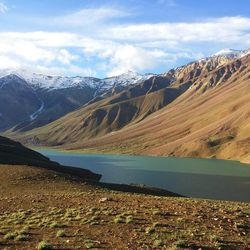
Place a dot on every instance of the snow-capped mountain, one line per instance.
(128, 78)
(42, 81)
(208, 64)
(52, 96)
(232, 53)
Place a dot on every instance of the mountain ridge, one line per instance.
(42, 81)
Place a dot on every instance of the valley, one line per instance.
(124, 125)
(198, 110)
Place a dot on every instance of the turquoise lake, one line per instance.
(199, 178)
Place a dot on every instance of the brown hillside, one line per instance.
(211, 119)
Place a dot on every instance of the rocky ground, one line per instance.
(39, 207)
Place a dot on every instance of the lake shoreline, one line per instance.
(246, 162)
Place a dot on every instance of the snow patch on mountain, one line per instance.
(37, 112)
(128, 78)
(232, 53)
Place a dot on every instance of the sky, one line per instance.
(102, 38)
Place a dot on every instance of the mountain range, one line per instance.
(198, 110)
(29, 100)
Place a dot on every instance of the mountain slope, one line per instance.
(211, 120)
(110, 113)
(200, 109)
(34, 100)
(26, 106)
(17, 100)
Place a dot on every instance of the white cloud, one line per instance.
(118, 48)
(129, 57)
(3, 8)
(65, 57)
(88, 17)
(7, 62)
(121, 57)
(27, 49)
(45, 39)
(82, 71)
(72, 69)
(40, 47)
(226, 29)
(27, 46)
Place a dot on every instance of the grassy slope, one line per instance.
(36, 203)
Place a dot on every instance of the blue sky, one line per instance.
(104, 38)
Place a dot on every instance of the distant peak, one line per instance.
(232, 53)
(227, 51)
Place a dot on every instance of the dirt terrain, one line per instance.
(38, 204)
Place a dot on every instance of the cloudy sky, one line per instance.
(108, 37)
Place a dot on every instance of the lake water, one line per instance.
(200, 178)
